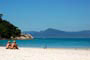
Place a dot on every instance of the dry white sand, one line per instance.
(44, 54)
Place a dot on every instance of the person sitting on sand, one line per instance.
(14, 45)
(8, 46)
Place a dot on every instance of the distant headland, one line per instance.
(55, 33)
(10, 31)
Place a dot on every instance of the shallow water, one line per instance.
(52, 43)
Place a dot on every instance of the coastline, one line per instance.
(45, 54)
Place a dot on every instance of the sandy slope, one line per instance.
(44, 54)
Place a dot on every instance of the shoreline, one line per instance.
(47, 48)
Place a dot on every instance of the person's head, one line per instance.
(9, 42)
(14, 42)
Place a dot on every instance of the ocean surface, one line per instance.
(52, 43)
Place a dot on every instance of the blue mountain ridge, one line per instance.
(54, 33)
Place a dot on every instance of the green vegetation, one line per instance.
(8, 30)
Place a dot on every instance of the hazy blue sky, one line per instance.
(28, 15)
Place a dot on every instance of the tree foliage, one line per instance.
(8, 30)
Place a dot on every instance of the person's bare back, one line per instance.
(14, 46)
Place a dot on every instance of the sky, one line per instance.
(36, 15)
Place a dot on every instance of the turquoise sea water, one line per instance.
(52, 43)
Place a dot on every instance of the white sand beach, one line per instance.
(44, 54)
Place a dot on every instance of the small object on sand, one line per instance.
(45, 46)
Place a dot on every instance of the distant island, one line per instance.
(54, 33)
